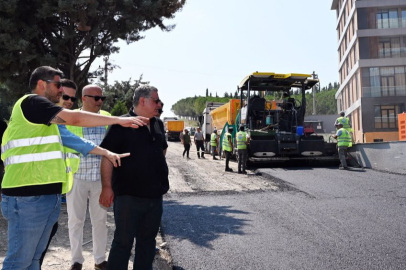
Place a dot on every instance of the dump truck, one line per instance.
(173, 129)
(276, 128)
(225, 116)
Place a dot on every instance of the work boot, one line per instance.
(244, 172)
(203, 156)
(214, 158)
(229, 170)
(101, 266)
(76, 266)
(198, 155)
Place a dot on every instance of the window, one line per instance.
(386, 116)
(387, 18)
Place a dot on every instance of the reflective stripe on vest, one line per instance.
(34, 157)
(31, 141)
(32, 153)
(213, 139)
(345, 138)
(226, 143)
(241, 140)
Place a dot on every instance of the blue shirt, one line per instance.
(77, 143)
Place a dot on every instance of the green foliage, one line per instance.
(193, 107)
(119, 109)
(120, 92)
(70, 35)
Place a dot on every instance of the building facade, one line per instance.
(372, 66)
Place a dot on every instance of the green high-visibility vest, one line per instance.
(345, 122)
(213, 139)
(345, 138)
(32, 153)
(226, 143)
(241, 140)
(72, 157)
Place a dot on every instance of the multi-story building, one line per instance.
(372, 65)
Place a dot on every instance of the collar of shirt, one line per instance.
(151, 120)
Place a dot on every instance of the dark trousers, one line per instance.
(187, 149)
(242, 159)
(137, 218)
(228, 156)
(200, 146)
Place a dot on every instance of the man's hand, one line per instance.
(133, 122)
(115, 158)
(106, 197)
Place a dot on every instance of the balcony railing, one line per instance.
(384, 91)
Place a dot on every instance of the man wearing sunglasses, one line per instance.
(87, 186)
(137, 189)
(35, 169)
(69, 92)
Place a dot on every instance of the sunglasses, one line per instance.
(156, 100)
(66, 97)
(97, 98)
(58, 84)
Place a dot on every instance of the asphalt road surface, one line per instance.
(282, 218)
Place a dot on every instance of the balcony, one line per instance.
(384, 91)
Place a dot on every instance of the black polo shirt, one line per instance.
(144, 173)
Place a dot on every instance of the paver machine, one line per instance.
(276, 128)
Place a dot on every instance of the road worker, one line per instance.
(343, 141)
(228, 147)
(345, 121)
(242, 142)
(214, 142)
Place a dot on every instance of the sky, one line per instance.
(216, 43)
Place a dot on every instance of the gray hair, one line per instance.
(143, 91)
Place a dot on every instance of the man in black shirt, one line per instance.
(138, 185)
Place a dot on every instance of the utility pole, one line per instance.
(315, 76)
(106, 70)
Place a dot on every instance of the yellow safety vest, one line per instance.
(32, 153)
(344, 139)
(226, 143)
(241, 140)
(213, 139)
(345, 122)
(72, 156)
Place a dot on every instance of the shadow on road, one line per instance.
(200, 224)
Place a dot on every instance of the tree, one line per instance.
(70, 35)
(121, 92)
(226, 95)
(119, 109)
(207, 92)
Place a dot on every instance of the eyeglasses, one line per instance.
(66, 97)
(57, 84)
(97, 98)
(156, 100)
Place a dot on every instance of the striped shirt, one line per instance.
(89, 168)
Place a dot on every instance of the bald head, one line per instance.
(92, 98)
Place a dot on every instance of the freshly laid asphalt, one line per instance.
(319, 218)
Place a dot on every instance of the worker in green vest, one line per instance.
(228, 147)
(345, 121)
(242, 141)
(343, 142)
(214, 139)
(35, 169)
